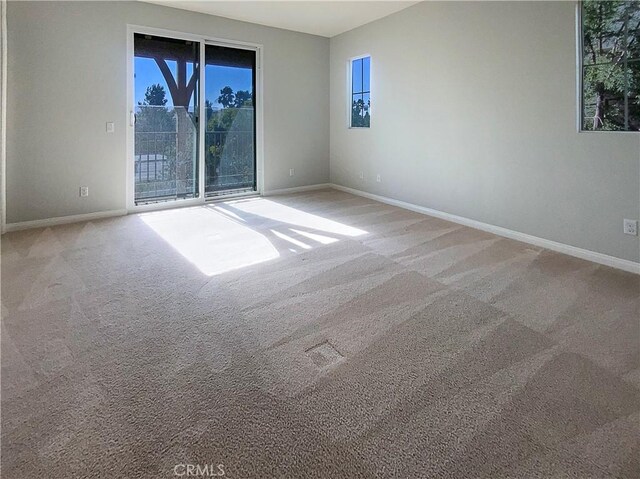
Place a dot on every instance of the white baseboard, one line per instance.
(24, 225)
(61, 220)
(588, 255)
(599, 258)
(297, 189)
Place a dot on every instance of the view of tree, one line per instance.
(360, 92)
(155, 95)
(229, 133)
(237, 111)
(153, 116)
(360, 113)
(243, 98)
(611, 65)
(230, 137)
(227, 98)
(166, 126)
(167, 120)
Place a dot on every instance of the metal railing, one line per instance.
(229, 160)
(164, 153)
(229, 164)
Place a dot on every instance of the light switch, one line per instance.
(111, 127)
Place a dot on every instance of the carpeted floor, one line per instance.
(312, 335)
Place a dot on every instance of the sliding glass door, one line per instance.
(169, 138)
(166, 138)
(230, 130)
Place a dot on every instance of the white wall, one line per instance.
(3, 109)
(474, 114)
(67, 77)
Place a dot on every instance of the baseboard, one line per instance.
(588, 255)
(297, 189)
(23, 225)
(62, 220)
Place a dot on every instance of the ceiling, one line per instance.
(325, 18)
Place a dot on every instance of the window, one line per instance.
(166, 133)
(610, 66)
(167, 114)
(360, 92)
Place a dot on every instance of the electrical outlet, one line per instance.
(111, 127)
(361, 175)
(84, 191)
(378, 179)
(292, 172)
(630, 227)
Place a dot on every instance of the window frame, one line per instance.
(350, 90)
(202, 199)
(579, 78)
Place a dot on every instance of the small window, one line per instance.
(360, 93)
(610, 65)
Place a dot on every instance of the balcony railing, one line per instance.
(229, 160)
(229, 164)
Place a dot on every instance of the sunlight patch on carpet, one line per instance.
(213, 242)
(294, 217)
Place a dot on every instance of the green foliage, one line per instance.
(360, 117)
(243, 98)
(155, 95)
(611, 59)
(228, 119)
(229, 136)
(155, 136)
(153, 115)
(226, 98)
(165, 138)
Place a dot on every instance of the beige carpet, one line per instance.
(313, 335)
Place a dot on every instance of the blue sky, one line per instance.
(217, 77)
(361, 82)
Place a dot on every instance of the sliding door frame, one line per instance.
(129, 119)
(257, 117)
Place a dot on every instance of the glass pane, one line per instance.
(230, 115)
(633, 49)
(166, 128)
(634, 20)
(603, 49)
(633, 16)
(366, 112)
(634, 96)
(357, 110)
(356, 76)
(366, 74)
(603, 97)
(608, 29)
